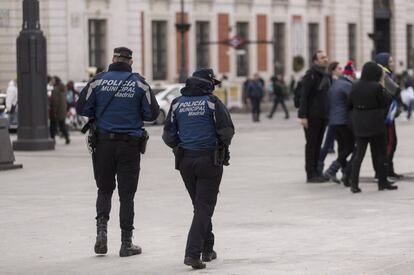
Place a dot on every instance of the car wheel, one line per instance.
(160, 119)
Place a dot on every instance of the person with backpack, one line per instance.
(313, 113)
(279, 94)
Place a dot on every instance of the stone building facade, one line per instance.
(82, 33)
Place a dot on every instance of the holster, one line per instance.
(144, 142)
(92, 136)
(179, 155)
(221, 155)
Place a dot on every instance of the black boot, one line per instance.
(355, 188)
(209, 256)
(194, 263)
(386, 186)
(127, 247)
(101, 236)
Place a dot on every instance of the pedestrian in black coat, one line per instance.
(368, 104)
(313, 113)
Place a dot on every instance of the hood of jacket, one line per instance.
(383, 60)
(195, 86)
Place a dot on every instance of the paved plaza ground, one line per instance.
(267, 221)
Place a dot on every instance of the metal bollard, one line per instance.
(6, 152)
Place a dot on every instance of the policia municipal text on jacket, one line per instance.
(119, 101)
(200, 129)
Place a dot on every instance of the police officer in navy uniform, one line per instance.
(119, 101)
(199, 129)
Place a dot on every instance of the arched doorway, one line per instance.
(382, 26)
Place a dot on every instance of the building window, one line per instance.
(203, 48)
(410, 54)
(97, 43)
(313, 40)
(243, 54)
(352, 42)
(279, 47)
(159, 50)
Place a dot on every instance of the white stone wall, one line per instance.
(65, 25)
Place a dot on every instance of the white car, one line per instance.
(165, 98)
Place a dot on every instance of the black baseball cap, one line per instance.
(206, 74)
(123, 52)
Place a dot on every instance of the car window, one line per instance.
(176, 92)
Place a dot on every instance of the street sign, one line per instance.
(237, 42)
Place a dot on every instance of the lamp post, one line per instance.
(32, 131)
(182, 28)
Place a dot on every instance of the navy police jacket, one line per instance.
(197, 120)
(132, 104)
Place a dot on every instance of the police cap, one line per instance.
(207, 74)
(123, 52)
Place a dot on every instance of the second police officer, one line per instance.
(199, 129)
(118, 101)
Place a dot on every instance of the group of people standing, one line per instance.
(356, 113)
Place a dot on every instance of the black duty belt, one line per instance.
(114, 136)
(197, 153)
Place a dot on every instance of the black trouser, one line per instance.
(62, 127)
(378, 144)
(276, 102)
(314, 136)
(120, 158)
(255, 108)
(346, 146)
(391, 147)
(202, 180)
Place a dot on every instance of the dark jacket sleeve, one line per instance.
(305, 95)
(150, 107)
(224, 124)
(85, 106)
(170, 133)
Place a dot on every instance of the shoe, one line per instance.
(67, 141)
(209, 256)
(269, 116)
(396, 176)
(317, 180)
(356, 190)
(387, 186)
(101, 244)
(194, 263)
(127, 247)
(331, 177)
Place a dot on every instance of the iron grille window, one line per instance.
(279, 47)
(203, 49)
(410, 55)
(97, 42)
(243, 58)
(352, 40)
(159, 50)
(313, 40)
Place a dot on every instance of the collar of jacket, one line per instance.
(346, 79)
(319, 69)
(195, 86)
(385, 69)
(120, 67)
